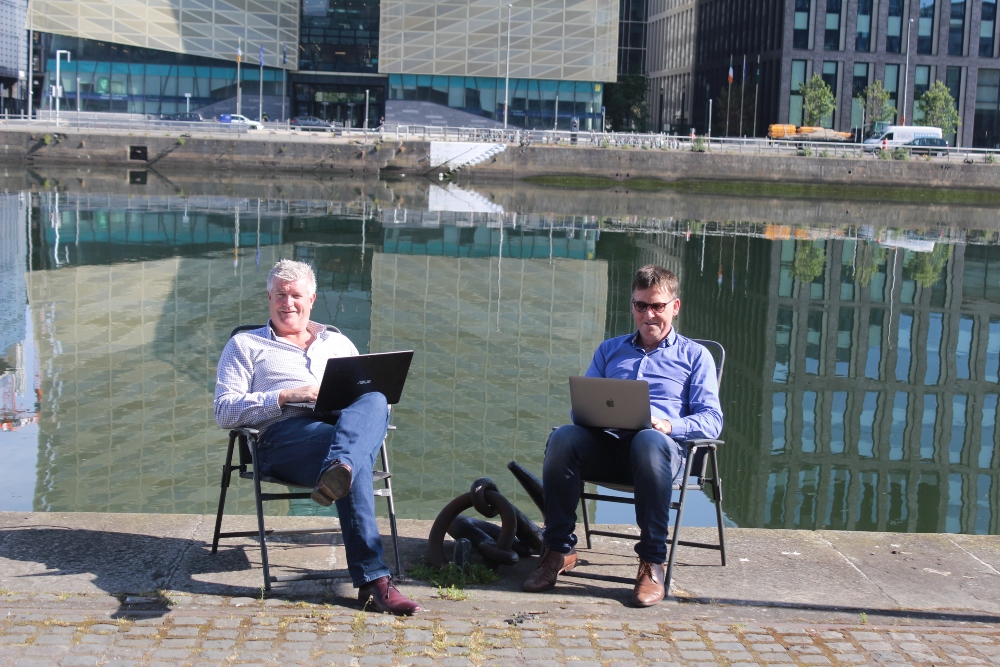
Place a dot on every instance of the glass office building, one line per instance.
(103, 76)
(533, 103)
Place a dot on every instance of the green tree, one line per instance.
(868, 258)
(625, 103)
(874, 99)
(817, 100)
(926, 267)
(808, 262)
(722, 103)
(938, 107)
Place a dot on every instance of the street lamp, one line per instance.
(906, 73)
(78, 96)
(59, 54)
(506, 83)
(187, 100)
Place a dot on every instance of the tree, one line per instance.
(625, 102)
(938, 107)
(817, 100)
(808, 262)
(739, 92)
(868, 258)
(874, 99)
(926, 267)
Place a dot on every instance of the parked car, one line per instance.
(185, 116)
(240, 120)
(310, 123)
(900, 135)
(928, 146)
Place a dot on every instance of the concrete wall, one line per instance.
(245, 153)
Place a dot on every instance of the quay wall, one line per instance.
(298, 153)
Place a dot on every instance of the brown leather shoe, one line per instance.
(551, 565)
(334, 483)
(381, 595)
(649, 588)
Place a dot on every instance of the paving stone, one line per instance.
(79, 661)
(610, 644)
(609, 634)
(977, 639)
(539, 653)
(14, 639)
(852, 658)
(171, 654)
(814, 660)
(124, 663)
(578, 653)
(697, 655)
(617, 654)
(572, 632)
(575, 641)
(768, 648)
(654, 644)
(691, 645)
(875, 646)
(658, 655)
(729, 646)
(534, 642)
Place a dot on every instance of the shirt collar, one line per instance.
(666, 342)
(314, 328)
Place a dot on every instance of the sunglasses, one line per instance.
(642, 306)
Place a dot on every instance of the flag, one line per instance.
(284, 55)
(730, 70)
(744, 80)
(262, 55)
(239, 54)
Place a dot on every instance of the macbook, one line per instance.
(610, 403)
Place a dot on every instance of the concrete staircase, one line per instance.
(450, 156)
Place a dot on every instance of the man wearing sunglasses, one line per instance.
(684, 399)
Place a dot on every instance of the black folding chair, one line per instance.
(247, 438)
(695, 477)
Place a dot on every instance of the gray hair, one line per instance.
(289, 271)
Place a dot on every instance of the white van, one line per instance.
(899, 135)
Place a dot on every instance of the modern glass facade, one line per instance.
(130, 79)
(956, 28)
(532, 101)
(987, 28)
(803, 12)
(831, 38)
(632, 36)
(863, 30)
(925, 27)
(343, 103)
(339, 36)
(894, 27)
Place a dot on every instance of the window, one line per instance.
(934, 331)
(863, 34)
(986, 124)
(903, 354)
(921, 82)
(858, 86)
(894, 27)
(845, 331)
(925, 27)
(800, 35)
(899, 404)
(831, 39)
(927, 422)
(830, 78)
(795, 101)
(956, 29)
(957, 443)
(891, 84)
(987, 28)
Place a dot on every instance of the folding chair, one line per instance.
(700, 452)
(248, 469)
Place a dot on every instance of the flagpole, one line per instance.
(729, 95)
(260, 96)
(239, 57)
(743, 89)
(756, 87)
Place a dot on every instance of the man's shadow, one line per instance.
(139, 569)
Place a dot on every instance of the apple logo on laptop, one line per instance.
(610, 403)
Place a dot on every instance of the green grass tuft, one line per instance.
(452, 577)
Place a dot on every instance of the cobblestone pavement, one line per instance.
(262, 636)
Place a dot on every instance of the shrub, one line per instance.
(990, 158)
(805, 151)
(47, 139)
(699, 145)
(825, 154)
(900, 153)
(884, 154)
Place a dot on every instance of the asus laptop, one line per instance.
(609, 403)
(347, 378)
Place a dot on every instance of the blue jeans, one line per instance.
(298, 449)
(648, 460)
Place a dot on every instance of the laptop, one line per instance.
(347, 378)
(610, 403)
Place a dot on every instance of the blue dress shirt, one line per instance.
(683, 388)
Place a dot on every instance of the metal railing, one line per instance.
(111, 123)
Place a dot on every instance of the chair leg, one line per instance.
(586, 518)
(392, 510)
(717, 489)
(260, 514)
(688, 464)
(227, 473)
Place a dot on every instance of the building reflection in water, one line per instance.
(862, 382)
(860, 391)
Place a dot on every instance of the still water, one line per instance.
(860, 389)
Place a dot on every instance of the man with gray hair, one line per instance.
(261, 374)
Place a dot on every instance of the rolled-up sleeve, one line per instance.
(704, 420)
(235, 402)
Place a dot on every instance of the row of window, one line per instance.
(942, 427)
(845, 499)
(954, 14)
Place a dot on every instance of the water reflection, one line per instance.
(860, 392)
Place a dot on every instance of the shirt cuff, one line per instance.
(271, 406)
(678, 428)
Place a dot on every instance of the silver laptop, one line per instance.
(609, 403)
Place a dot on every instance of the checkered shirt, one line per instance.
(256, 365)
